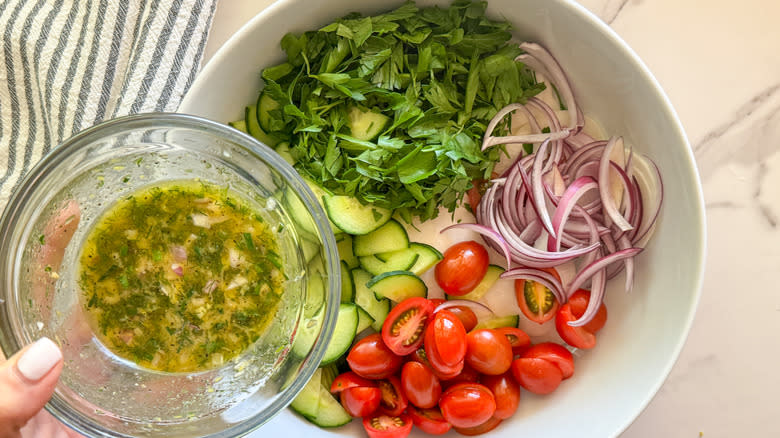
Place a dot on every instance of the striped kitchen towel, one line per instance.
(66, 65)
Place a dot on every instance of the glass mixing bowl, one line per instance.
(52, 211)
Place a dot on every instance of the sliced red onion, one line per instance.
(200, 220)
(624, 243)
(177, 269)
(210, 286)
(179, 253)
(650, 184)
(587, 272)
(573, 193)
(538, 189)
(542, 277)
(490, 234)
(598, 287)
(473, 305)
(606, 198)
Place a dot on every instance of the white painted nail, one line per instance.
(39, 359)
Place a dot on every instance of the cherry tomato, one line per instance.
(485, 427)
(554, 353)
(429, 420)
(536, 375)
(518, 339)
(467, 374)
(536, 301)
(445, 339)
(467, 404)
(488, 351)
(474, 194)
(370, 358)
(437, 301)
(419, 384)
(393, 399)
(403, 328)
(361, 400)
(421, 357)
(578, 337)
(507, 393)
(348, 380)
(579, 302)
(387, 426)
(462, 268)
(465, 315)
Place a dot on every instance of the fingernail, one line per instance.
(39, 359)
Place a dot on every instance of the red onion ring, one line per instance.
(473, 305)
(542, 277)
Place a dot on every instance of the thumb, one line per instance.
(27, 381)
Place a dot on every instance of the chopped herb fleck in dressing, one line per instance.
(181, 277)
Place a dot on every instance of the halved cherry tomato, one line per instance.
(536, 375)
(445, 339)
(349, 380)
(361, 400)
(465, 315)
(557, 354)
(403, 328)
(488, 351)
(462, 268)
(536, 301)
(421, 357)
(370, 358)
(485, 427)
(419, 384)
(393, 399)
(578, 337)
(507, 393)
(437, 301)
(387, 426)
(579, 302)
(518, 339)
(467, 404)
(429, 420)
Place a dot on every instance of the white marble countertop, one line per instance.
(719, 62)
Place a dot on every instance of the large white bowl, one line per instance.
(647, 329)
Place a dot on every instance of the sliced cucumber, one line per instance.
(390, 261)
(490, 278)
(344, 243)
(364, 320)
(315, 296)
(365, 298)
(428, 257)
(330, 413)
(299, 213)
(265, 104)
(310, 249)
(352, 217)
(366, 125)
(253, 128)
(501, 321)
(318, 194)
(283, 149)
(343, 333)
(397, 286)
(307, 402)
(329, 374)
(347, 285)
(239, 124)
(387, 238)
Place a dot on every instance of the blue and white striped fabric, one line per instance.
(66, 65)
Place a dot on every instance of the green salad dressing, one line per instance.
(180, 277)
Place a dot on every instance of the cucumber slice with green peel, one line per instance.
(329, 374)
(428, 257)
(398, 286)
(265, 104)
(315, 296)
(491, 277)
(308, 330)
(310, 249)
(350, 216)
(366, 125)
(283, 149)
(497, 322)
(253, 127)
(393, 261)
(318, 194)
(344, 244)
(364, 320)
(389, 237)
(365, 298)
(298, 212)
(239, 124)
(347, 285)
(307, 402)
(343, 333)
(330, 413)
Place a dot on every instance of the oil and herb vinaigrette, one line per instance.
(180, 277)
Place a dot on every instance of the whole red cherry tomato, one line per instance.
(579, 302)
(578, 337)
(536, 375)
(421, 357)
(445, 340)
(467, 404)
(370, 358)
(419, 384)
(467, 374)
(387, 426)
(485, 427)
(517, 338)
(403, 328)
(361, 400)
(429, 420)
(488, 351)
(507, 393)
(536, 301)
(462, 268)
(393, 399)
(554, 353)
(465, 315)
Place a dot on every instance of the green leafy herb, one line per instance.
(42, 239)
(436, 75)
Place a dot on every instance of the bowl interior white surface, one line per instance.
(646, 330)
